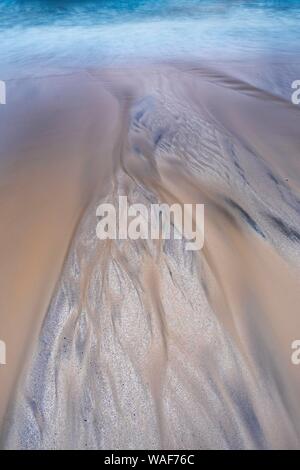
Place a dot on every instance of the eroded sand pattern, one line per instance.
(142, 344)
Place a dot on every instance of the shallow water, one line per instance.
(39, 34)
(139, 344)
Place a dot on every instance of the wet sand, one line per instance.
(142, 344)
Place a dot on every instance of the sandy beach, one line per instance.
(123, 344)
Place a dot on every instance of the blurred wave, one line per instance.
(37, 34)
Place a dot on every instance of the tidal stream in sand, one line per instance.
(126, 344)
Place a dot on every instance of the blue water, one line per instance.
(39, 36)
